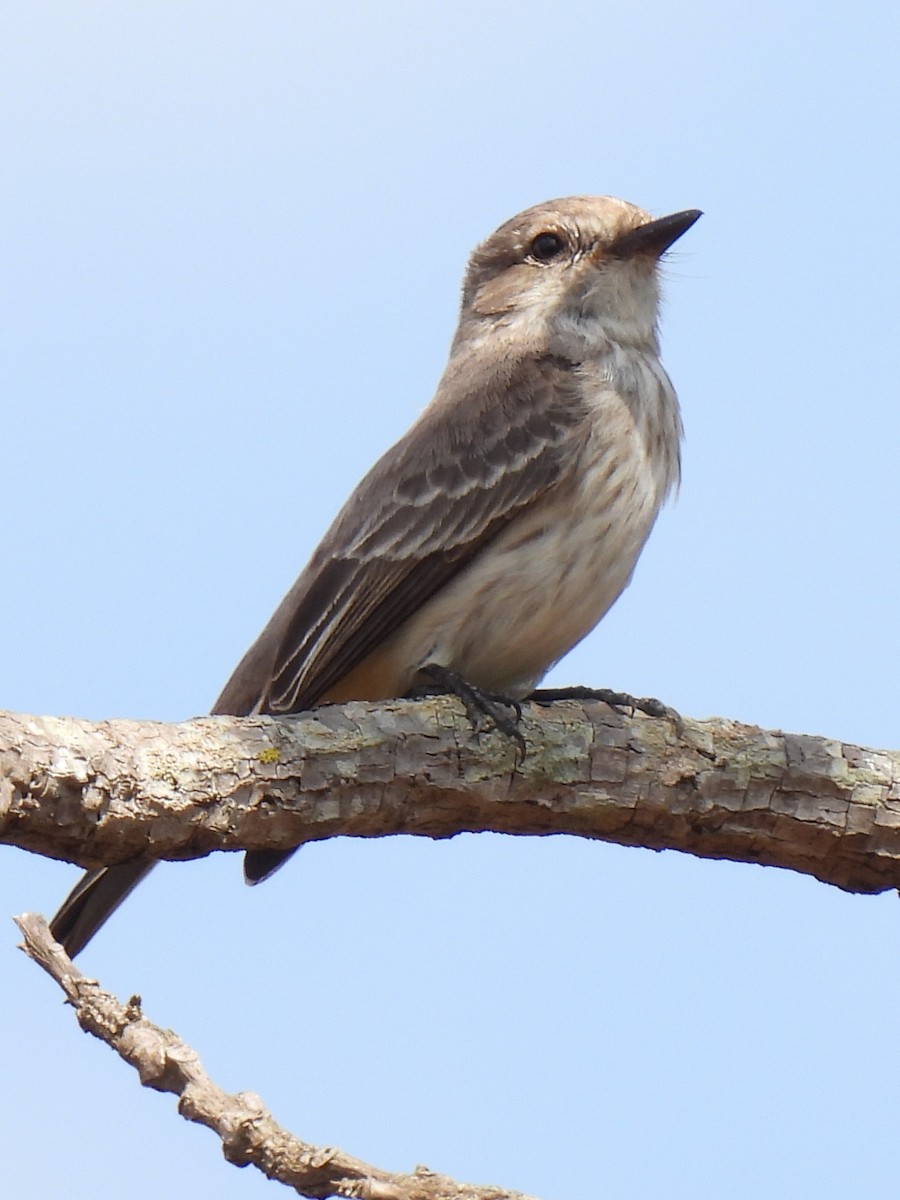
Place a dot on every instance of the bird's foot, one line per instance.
(483, 708)
(645, 704)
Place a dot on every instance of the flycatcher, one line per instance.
(500, 529)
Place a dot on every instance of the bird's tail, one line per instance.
(259, 865)
(93, 900)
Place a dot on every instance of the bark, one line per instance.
(105, 792)
(249, 1134)
(102, 793)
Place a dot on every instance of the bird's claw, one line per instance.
(484, 709)
(645, 704)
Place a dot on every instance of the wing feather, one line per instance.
(420, 515)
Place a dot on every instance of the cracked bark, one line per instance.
(102, 792)
(99, 793)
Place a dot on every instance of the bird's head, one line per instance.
(571, 275)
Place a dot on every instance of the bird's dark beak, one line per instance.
(655, 237)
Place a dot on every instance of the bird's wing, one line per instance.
(424, 510)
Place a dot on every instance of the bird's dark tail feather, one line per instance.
(260, 864)
(94, 898)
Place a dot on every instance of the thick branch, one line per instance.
(102, 793)
(249, 1134)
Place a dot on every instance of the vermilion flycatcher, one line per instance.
(498, 531)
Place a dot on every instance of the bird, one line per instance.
(500, 529)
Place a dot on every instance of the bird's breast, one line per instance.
(551, 574)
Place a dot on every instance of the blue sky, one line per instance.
(232, 242)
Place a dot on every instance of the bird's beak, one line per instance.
(655, 237)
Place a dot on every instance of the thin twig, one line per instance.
(249, 1134)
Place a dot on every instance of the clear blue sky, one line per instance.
(232, 239)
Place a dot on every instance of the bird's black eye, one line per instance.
(546, 246)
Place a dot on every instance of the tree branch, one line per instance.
(249, 1134)
(103, 793)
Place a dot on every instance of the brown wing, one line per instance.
(469, 464)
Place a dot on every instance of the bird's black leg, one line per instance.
(480, 705)
(644, 704)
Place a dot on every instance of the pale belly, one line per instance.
(544, 582)
(525, 600)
